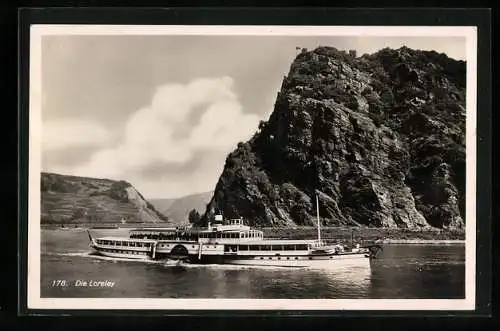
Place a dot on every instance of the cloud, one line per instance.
(68, 133)
(149, 138)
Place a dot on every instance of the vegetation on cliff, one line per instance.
(379, 138)
(72, 199)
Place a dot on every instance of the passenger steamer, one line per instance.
(230, 243)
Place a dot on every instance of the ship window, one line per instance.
(261, 258)
(243, 247)
(289, 247)
(132, 244)
(266, 248)
(277, 247)
(192, 246)
(270, 258)
(279, 258)
(310, 258)
(296, 258)
(288, 258)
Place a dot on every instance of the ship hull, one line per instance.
(132, 255)
(329, 261)
(309, 262)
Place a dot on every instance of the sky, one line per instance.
(163, 112)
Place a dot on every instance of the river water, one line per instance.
(399, 272)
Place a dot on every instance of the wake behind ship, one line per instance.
(229, 242)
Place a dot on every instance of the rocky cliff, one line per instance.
(379, 138)
(72, 199)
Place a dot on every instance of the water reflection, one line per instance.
(418, 271)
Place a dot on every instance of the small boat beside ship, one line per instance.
(230, 242)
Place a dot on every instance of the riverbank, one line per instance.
(422, 242)
(105, 226)
(383, 235)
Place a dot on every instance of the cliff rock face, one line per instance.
(379, 138)
(72, 199)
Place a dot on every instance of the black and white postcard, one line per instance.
(252, 167)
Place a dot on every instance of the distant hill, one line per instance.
(178, 209)
(72, 199)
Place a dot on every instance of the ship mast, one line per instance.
(317, 215)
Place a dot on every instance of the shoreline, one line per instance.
(421, 242)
